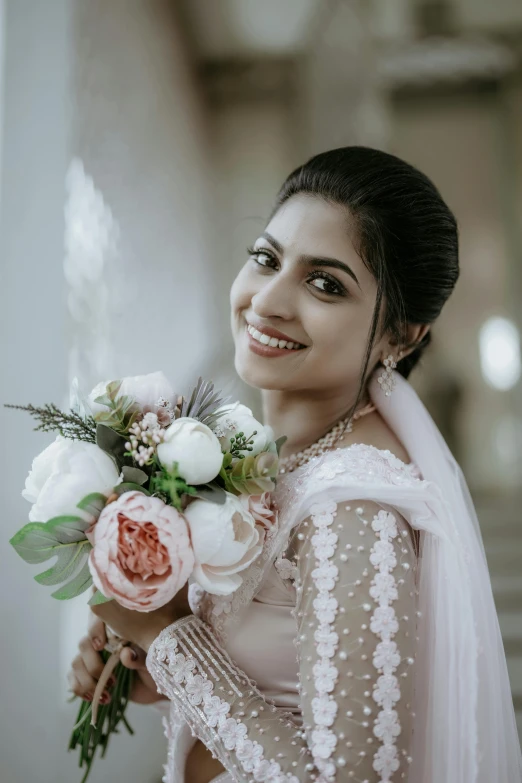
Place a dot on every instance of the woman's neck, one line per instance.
(304, 418)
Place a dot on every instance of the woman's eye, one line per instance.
(262, 257)
(327, 285)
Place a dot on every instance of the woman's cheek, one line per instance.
(240, 292)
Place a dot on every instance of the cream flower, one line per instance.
(150, 392)
(225, 540)
(238, 418)
(63, 474)
(195, 449)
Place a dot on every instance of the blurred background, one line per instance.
(141, 145)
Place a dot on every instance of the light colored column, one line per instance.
(33, 367)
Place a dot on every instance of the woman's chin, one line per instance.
(251, 373)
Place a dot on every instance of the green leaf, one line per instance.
(70, 558)
(227, 459)
(98, 598)
(110, 441)
(279, 443)
(81, 582)
(211, 492)
(61, 537)
(112, 389)
(34, 542)
(93, 504)
(134, 475)
(68, 529)
(103, 400)
(130, 487)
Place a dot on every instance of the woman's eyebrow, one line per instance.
(313, 260)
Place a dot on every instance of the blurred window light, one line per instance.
(499, 342)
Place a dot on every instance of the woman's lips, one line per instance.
(267, 350)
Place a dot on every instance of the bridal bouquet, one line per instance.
(140, 491)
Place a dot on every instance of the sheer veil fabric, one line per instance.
(464, 725)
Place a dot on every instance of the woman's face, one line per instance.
(304, 284)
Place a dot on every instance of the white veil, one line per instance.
(465, 730)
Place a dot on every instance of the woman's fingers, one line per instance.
(133, 657)
(96, 632)
(80, 681)
(92, 659)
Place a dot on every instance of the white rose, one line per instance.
(239, 418)
(194, 447)
(63, 474)
(146, 390)
(225, 540)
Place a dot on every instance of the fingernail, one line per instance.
(134, 654)
(111, 681)
(88, 697)
(97, 643)
(105, 698)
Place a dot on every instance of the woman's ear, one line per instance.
(414, 334)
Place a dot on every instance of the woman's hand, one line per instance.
(142, 628)
(87, 667)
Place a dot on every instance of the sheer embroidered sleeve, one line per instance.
(354, 571)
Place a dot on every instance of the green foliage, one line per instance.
(240, 443)
(122, 411)
(90, 738)
(134, 475)
(211, 492)
(113, 443)
(279, 443)
(251, 475)
(70, 425)
(128, 486)
(93, 504)
(61, 537)
(98, 598)
(169, 483)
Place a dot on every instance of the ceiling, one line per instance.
(223, 29)
(418, 41)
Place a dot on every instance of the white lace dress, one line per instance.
(307, 672)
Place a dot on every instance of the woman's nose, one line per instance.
(275, 300)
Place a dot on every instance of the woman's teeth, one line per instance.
(273, 342)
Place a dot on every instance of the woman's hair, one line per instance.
(406, 235)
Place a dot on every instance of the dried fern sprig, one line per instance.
(52, 419)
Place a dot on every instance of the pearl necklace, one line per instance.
(324, 444)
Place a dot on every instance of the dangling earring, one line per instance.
(386, 379)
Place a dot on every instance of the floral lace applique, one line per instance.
(325, 575)
(199, 692)
(386, 659)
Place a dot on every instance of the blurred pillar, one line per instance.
(342, 101)
(36, 125)
(140, 282)
(255, 144)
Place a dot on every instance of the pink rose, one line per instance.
(142, 554)
(261, 508)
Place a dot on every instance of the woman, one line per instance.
(367, 624)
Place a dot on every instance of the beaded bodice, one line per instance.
(333, 600)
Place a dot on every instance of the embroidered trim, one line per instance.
(196, 690)
(325, 575)
(386, 658)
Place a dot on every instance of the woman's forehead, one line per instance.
(313, 226)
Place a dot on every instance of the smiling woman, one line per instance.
(374, 573)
